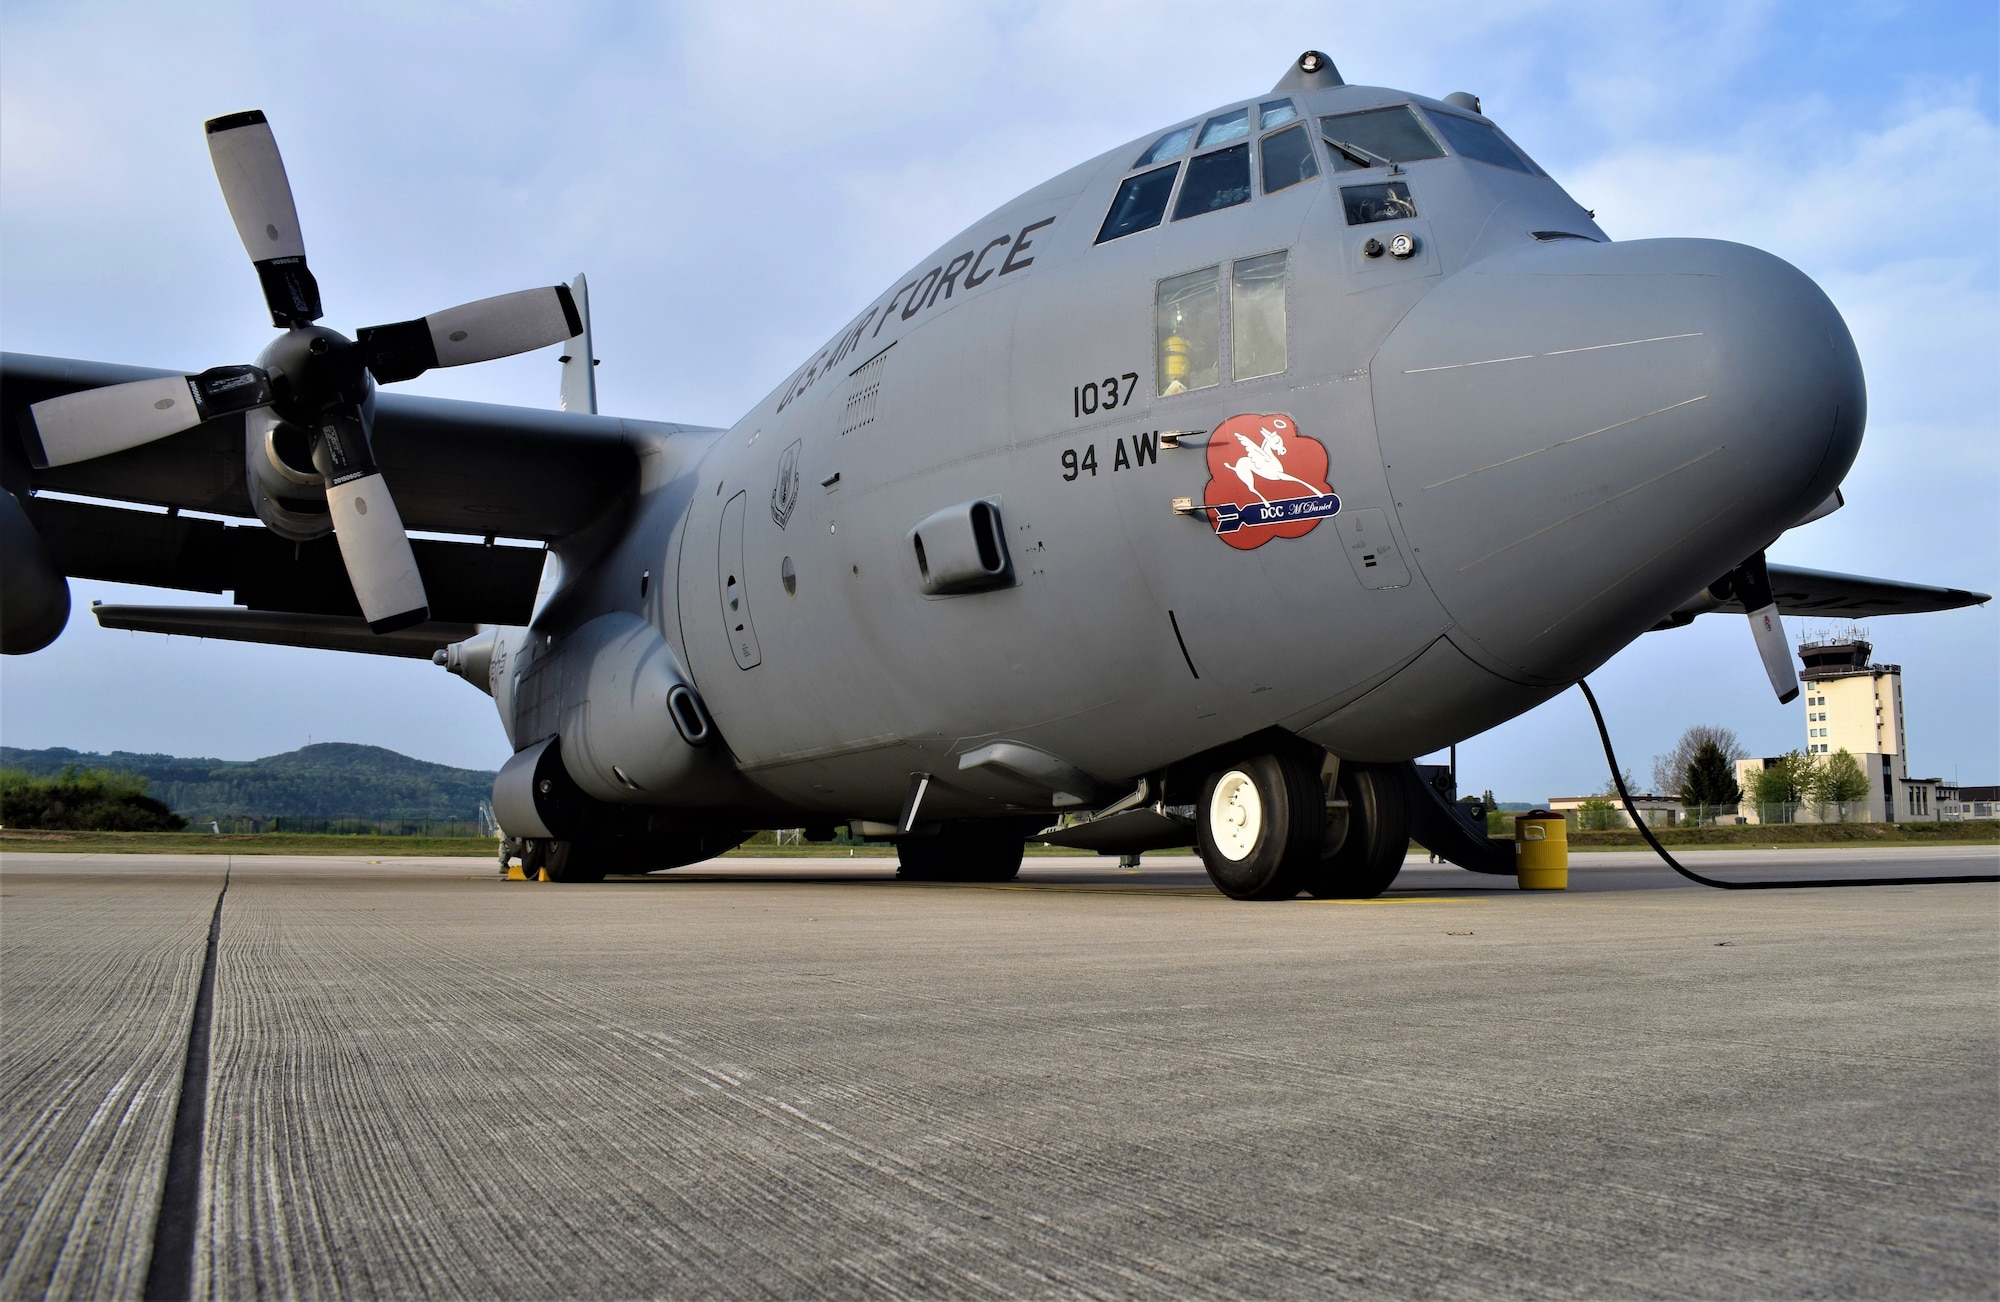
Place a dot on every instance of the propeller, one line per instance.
(1751, 583)
(310, 376)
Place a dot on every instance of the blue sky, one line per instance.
(739, 179)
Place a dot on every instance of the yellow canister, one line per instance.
(1541, 851)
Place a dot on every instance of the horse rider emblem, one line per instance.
(1266, 480)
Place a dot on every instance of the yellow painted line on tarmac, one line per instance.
(1398, 900)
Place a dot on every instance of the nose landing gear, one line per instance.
(1268, 827)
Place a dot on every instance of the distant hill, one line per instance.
(329, 780)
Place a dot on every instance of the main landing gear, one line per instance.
(1271, 826)
(562, 861)
(963, 852)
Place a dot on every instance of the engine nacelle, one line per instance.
(634, 730)
(34, 598)
(287, 492)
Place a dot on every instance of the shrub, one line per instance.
(83, 800)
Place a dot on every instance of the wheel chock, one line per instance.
(514, 873)
(542, 875)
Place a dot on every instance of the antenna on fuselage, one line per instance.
(1312, 71)
(579, 360)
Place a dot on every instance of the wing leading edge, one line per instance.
(1823, 592)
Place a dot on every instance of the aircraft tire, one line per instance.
(1259, 827)
(1378, 836)
(567, 861)
(962, 852)
(534, 853)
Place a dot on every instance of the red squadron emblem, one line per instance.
(1265, 480)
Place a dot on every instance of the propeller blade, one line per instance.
(98, 422)
(476, 332)
(1751, 582)
(259, 195)
(373, 544)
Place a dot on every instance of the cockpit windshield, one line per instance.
(1479, 141)
(1377, 138)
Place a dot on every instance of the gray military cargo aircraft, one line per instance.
(1188, 497)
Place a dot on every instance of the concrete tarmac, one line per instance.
(799, 1077)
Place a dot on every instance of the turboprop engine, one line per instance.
(34, 596)
(612, 701)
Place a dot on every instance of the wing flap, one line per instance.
(323, 632)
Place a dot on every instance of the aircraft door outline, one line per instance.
(733, 583)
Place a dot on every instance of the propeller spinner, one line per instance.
(310, 376)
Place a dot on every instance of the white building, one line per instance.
(1658, 811)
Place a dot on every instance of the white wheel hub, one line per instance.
(1236, 816)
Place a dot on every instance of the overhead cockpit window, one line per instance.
(1377, 138)
(1187, 323)
(1140, 204)
(1480, 142)
(1217, 180)
(1172, 145)
(1288, 159)
(1275, 113)
(1377, 203)
(1225, 127)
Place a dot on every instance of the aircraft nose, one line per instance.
(1578, 436)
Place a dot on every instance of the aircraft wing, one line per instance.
(456, 467)
(1822, 592)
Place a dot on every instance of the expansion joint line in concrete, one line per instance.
(170, 1275)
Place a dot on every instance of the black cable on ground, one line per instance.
(1673, 863)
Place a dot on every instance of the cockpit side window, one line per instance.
(1275, 113)
(1288, 159)
(1479, 142)
(1187, 327)
(1141, 202)
(1215, 181)
(1172, 145)
(1377, 138)
(1225, 127)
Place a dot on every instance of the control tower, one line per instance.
(1856, 705)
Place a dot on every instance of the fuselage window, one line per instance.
(1377, 203)
(1187, 323)
(1377, 138)
(1480, 142)
(1172, 145)
(1225, 127)
(1217, 180)
(1288, 159)
(1275, 113)
(1140, 204)
(1257, 315)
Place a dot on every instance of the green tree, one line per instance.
(1594, 814)
(1782, 782)
(1840, 780)
(1670, 769)
(83, 800)
(1708, 781)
